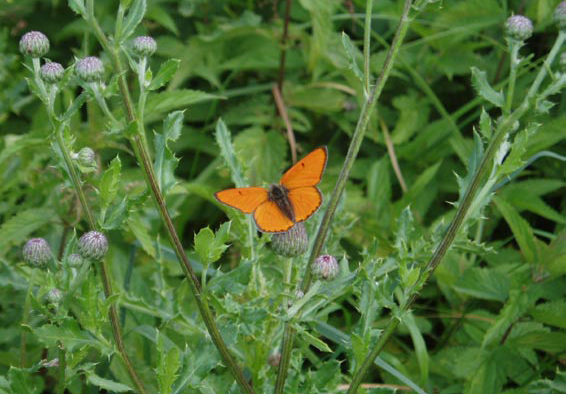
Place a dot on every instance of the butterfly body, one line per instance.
(294, 199)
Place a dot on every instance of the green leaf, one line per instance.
(485, 124)
(78, 6)
(22, 381)
(262, 154)
(133, 18)
(520, 228)
(224, 140)
(70, 334)
(115, 215)
(312, 340)
(20, 226)
(419, 346)
(484, 89)
(141, 232)
(166, 71)
(210, 247)
(107, 384)
(552, 313)
(165, 160)
(352, 52)
(168, 364)
(75, 106)
(484, 283)
(109, 182)
(162, 102)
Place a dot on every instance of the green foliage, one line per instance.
(490, 320)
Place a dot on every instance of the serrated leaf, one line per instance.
(70, 334)
(312, 340)
(166, 71)
(352, 53)
(484, 283)
(20, 226)
(167, 366)
(132, 20)
(484, 89)
(109, 182)
(107, 384)
(485, 124)
(115, 215)
(165, 160)
(552, 313)
(75, 106)
(208, 246)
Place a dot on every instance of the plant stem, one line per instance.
(281, 74)
(442, 248)
(367, 48)
(286, 120)
(143, 158)
(514, 62)
(355, 144)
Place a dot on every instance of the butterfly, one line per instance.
(294, 199)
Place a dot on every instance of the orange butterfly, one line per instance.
(294, 199)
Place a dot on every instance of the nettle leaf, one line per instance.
(108, 186)
(484, 283)
(20, 226)
(165, 160)
(133, 18)
(107, 384)
(166, 71)
(551, 313)
(210, 246)
(479, 80)
(352, 53)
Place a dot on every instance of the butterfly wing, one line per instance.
(308, 171)
(305, 201)
(246, 199)
(270, 219)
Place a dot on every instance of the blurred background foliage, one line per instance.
(230, 55)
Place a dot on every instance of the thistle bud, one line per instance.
(325, 267)
(51, 73)
(293, 242)
(86, 157)
(34, 44)
(37, 252)
(560, 15)
(90, 69)
(75, 260)
(93, 246)
(144, 46)
(518, 27)
(54, 296)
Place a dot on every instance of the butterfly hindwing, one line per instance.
(305, 201)
(246, 199)
(270, 219)
(308, 171)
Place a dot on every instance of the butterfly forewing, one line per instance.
(307, 172)
(246, 199)
(270, 219)
(305, 201)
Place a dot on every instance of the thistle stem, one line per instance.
(485, 165)
(355, 144)
(143, 158)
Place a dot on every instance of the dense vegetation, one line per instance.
(443, 196)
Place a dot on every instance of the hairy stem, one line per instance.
(355, 144)
(143, 158)
(367, 48)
